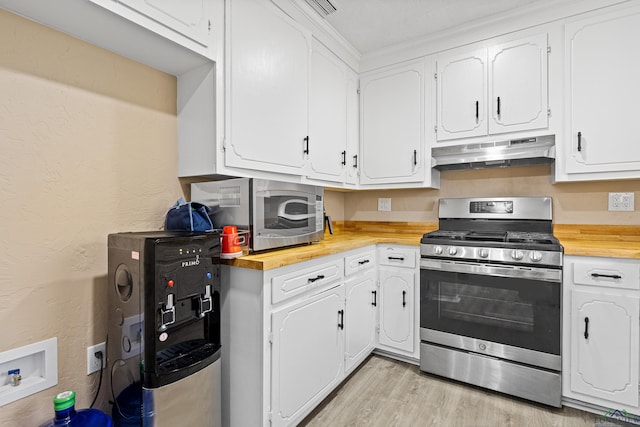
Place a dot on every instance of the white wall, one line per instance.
(88, 147)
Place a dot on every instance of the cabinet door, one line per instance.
(353, 127)
(360, 318)
(397, 308)
(604, 346)
(307, 354)
(189, 18)
(268, 83)
(461, 93)
(392, 119)
(327, 116)
(602, 68)
(518, 85)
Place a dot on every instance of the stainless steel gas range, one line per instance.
(490, 296)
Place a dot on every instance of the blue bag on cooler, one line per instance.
(190, 216)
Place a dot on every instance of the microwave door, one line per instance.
(296, 213)
(285, 213)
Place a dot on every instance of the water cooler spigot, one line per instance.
(205, 302)
(167, 314)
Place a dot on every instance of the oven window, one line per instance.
(514, 311)
(499, 308)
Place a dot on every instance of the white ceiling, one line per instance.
(370, 25)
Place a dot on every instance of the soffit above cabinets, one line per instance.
(371, 25)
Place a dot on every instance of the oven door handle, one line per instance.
(534, 273)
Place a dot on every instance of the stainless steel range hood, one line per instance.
(516, 152)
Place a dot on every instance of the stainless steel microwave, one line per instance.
(276, 214)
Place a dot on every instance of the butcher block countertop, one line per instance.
(616, 241)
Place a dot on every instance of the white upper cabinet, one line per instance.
(353, 128)
(462, 95)
(191, 18)
(518, 85)
(492, 90)
(268, 89)
(602, 65)
(327, 153)
(392, 125)
(172, 36)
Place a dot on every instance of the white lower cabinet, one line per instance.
(307, 354)
(291, 335)
(396, 309)
(601, 344)
(360, 318)
(399, 302)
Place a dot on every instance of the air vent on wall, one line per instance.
(323, 7)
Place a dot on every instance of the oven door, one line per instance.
(503, 311)
(286, 214)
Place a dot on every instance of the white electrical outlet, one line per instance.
(93, 362)
(384, 204)
(621, 202)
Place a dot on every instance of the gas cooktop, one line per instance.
(514, 239)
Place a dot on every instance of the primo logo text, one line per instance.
(191, 263)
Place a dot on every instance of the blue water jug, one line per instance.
(66, 414)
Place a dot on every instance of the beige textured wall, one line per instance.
(88, 148)
(573, 203)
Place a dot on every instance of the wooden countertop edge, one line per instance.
(616, 241)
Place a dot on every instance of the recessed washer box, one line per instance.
(38, 365)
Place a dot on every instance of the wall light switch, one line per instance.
(384, 204)
(621, 202)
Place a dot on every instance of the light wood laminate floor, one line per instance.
(386, 392)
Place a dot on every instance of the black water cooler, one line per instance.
(163, 351)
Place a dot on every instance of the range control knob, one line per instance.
(437, 250)
(535, 256)
(453, 250)
(483, 253)
(517, 255)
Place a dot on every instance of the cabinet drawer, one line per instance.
(399, 257)
(295, 283)
(358, 262)
(610, 274)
